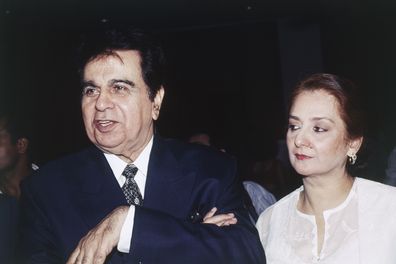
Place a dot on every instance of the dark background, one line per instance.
(231, 65)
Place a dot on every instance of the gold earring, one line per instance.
(352, 159)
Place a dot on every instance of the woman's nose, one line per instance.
(302, 139)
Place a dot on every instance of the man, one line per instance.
(134, 197)
(15, 164)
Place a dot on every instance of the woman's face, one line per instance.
(316, 137)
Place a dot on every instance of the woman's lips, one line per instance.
(302, 156)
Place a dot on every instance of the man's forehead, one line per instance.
(111, 54)
(129, 60)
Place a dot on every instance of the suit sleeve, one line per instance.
(161, 238)
(8, 228)
(36, 240)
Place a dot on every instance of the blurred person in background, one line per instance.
(15, 165)
(15, 161)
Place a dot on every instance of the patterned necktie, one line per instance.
(130, 187)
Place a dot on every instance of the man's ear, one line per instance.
(157, 103)
(354, 146)
(22, 145)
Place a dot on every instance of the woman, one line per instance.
(334, 217)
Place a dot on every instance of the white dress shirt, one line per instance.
(360, 230)
(117, 166)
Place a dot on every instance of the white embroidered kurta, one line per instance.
(360, 230)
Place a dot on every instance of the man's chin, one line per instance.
(107, 148)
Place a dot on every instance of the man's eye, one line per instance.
(90, 91)
(120, 89)
(319, 129)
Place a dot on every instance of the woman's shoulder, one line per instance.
(373, 187)
(376, 196)
(280, 207)
(273, 217)
(290, 199)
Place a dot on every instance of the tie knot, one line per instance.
(130, 171)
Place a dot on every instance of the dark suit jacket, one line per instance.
(8, 228)
(70, 196)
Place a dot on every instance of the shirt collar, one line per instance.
(142, 160)
(117, 165)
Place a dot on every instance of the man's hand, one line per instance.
(219, 220)
(100, 241)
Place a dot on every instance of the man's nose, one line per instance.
(104, 101)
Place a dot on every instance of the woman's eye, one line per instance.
(293, 127)
(319, 129)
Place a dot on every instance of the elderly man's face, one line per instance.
(117, 111)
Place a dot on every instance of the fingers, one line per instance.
(73, 257)
(82, 254)
(231, 221)
(210, 214)
(91, 249)
(100, 241)
(221, 219)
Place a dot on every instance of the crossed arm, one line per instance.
(51, 231)
(100, 241)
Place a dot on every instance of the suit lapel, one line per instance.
(167, 186)
(97, 192)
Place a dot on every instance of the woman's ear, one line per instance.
(354, 146)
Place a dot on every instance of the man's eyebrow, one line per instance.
(88, 83)
(114, 81)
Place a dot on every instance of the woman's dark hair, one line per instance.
(346, 94)
(107, 42)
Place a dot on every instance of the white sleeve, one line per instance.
(263, 225)
(124, 243)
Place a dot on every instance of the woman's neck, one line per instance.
(324, 192)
